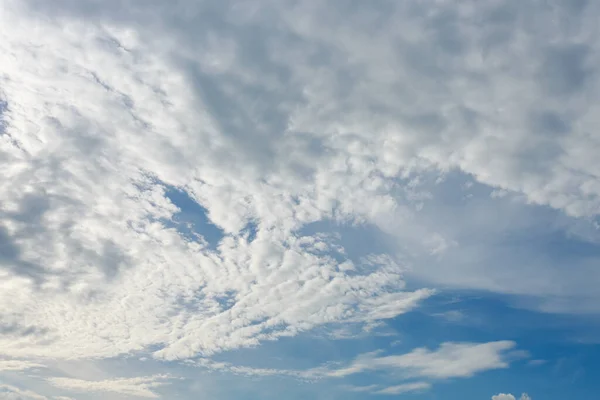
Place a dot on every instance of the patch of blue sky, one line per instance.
(480, 317)
(570, 374)
(567, 370)
(545, 348)
(192, 218)
(553, 342)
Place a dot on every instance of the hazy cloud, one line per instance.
(404, 388)
(136, 387)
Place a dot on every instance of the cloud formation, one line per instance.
(91, 257)
(274, 117)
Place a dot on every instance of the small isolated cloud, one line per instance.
(139, 387)
(404, 388)
(502, 396)
(451, 316)
(450, 360)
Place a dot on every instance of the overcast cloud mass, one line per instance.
(299, 199)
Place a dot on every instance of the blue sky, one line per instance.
(300, 199)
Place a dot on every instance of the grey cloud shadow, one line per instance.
(3, 111)
(31, 209)
(10, 258)
(41, 335)
(551, 123)
(251, 116)
(563, 71)
(29, 217)
(20, 330)
(233, 120)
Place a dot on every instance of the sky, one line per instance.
(299, 199)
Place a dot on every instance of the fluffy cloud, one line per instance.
(272, 117)
(502, 396)
(138, 387)
(93, 258)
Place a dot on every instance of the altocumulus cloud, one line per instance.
(274, 115)
(90, 262)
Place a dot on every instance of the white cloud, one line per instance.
(451, 360)
(18, 365)
(96, 209)
(404, 388)
(138, 387)
(271, 119)
(502, 396)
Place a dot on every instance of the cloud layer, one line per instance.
(293, 126)
(91, 257)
